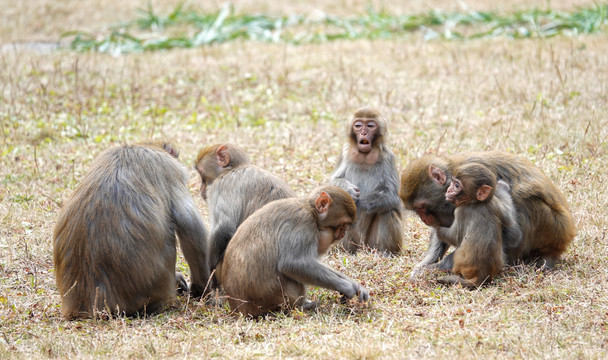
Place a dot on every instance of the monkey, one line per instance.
(483, 217)
(233, 189)
(367, 171)
(542, 213)
(114, 242)
(275, 253)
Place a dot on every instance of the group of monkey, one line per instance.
(115, 238)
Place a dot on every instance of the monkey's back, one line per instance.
(250, 188)
(535, 197)
(108, 235)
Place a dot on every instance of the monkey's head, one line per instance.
(366, 129)
(167, 147)
(423, 185)
(335, 208)
(471, 183)
(214, 160)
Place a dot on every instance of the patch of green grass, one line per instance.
(187, 29)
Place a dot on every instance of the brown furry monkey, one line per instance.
(233, 189)
(484, 216)
(368, 172)
(542, 212)
(275, 253)
(115, 239)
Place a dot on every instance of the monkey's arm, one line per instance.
(512, 237)
(192, 235)
(337, 179)
(304, 267)
(385, 196)
(380, 200)
(437, 249)
(224, 224)
(318, 274)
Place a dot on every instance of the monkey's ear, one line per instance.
(437, 175)
(323, 202)
(223, 156)
(171, 150)
(483, 192)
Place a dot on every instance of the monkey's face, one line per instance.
(435, 211)
(341, 230)
(364, 131)
(452, 193)
(206, 170)
(203, 186)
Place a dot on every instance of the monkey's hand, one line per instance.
(353, 191)
(422, 272)
(363, 294)
(356, 289)
(349, 187)
(417, 273)
(182, 284)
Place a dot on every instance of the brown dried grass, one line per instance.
(542, 99)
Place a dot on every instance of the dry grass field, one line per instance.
(545, 99)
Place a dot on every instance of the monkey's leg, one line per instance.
(386, 233)
(295, 294)
(455, 279)
(447, 263)
(352, 240)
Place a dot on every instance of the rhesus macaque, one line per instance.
(367, 171)
(541, 210)
(484, 213)
(233, 189)
(275, 253)
(114, 241)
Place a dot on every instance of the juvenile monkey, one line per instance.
(367, 171)
(233, 189)
(114, 240)
(275, 253)
(484, 215)
(542, 213)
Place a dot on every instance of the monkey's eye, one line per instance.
(420, 209)
(357, 125)
(372, 125)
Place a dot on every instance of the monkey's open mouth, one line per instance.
(364, 142)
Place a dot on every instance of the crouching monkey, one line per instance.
(275, 253)
(542, 213)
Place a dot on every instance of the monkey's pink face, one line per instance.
(453, 191)
(365, 131)
(426, 217)
(203, 183)
(341, 231)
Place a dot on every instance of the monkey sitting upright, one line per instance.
(114, 242)
(367, 171)
(484, 217)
